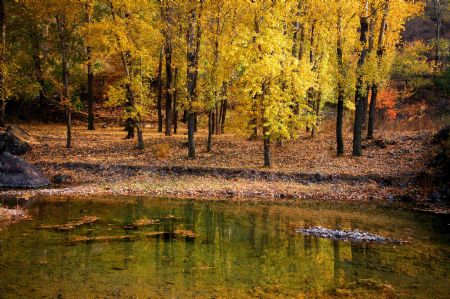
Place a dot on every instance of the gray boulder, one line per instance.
(12, 144)
(21, 134)
(17, 173)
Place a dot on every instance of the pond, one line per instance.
(239, 250)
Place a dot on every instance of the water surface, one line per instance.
(240, 250)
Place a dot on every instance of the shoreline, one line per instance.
(234, 190)
(254, 184)
(392, 170)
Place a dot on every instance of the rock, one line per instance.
(442, 135)
(61, 179)
(319, 177)
(435, 197)
(12, 144)
(21, 134)
(390, 197)
(406, 198)
(345, 235)
(380, 143)
(17, 173)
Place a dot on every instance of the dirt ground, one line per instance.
(103, 162)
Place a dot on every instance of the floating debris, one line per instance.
(345, 235)
(184, 233)
(82, 239)
(142, 223)
(156, 234)
(85, 220)
(189, 235)
(145, 222)
(172, 217)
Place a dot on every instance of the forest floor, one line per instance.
(103, 162)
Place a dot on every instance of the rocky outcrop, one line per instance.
(440, 166)
(17, 173)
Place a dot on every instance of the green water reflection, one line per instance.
(241, 250)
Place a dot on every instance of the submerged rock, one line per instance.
(345, 235)
(85, 220)
(142, 223)
(17, 173)
(187, 235)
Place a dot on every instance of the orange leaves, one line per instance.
(387, 99)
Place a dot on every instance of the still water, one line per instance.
(240, 250)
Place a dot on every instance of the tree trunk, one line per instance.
(195, 122)
(438, 16)
(357, 127)
(169, 87)
(129, 123)
(266, 140)
(311, 97)
(193, 48)
(223, 115)
(129, 128)
(267, 151)
(210, 130)
(253, 123)
(90, 97)
(39, 74)
(372, 110)
(217, 119)
(61, 24)
(340, 123)
(297, 30)
(90, 76)
(2, 63)
(191, 140)
(213, 124)
(43, 106)
(359, 95)
(311, 42)
(317, 103)
(365, 105)
(380, 52)
(370, 50)
(140, 136)
(131, 100)
(3, 114)
(265, 128)
(69, 127)
(160, 92)
(301, 49)
(175, 102)
(340, 102)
